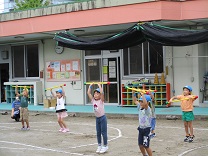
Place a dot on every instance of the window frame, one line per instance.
(150, 75)
(25, 62)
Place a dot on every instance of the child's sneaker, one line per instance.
(98, 149)
(186, 139)
(65, 130)
(61, 129)
(104, 149)
(28, 128)
(191, 139)
(23, 129)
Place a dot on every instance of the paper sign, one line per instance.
(112, 75)
(63, 67)
(63, 70)
(112, 63)
(105, 70)
(68, 66)
(56, 66)
(75, 65)
(105, 77)
(105, 62)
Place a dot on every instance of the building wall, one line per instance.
(202, 68)
(74, 93)
(185, 67)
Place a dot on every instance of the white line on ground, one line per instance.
(119, 135)
(11, 148)
(114, 138)
(42, 148)
(190, 150)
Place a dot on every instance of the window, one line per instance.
(146, 58)
(25, 61)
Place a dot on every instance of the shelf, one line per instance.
(161, 96)
(34, 91)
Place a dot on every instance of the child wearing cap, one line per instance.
(60, 109)
(24, 115)
(187, 111)
(144, 122)
(101, 121)
(15, 114)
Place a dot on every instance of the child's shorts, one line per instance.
(143, 137)
(62, 114)
(24, 114)
(188, 116)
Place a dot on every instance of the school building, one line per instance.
(30, 55)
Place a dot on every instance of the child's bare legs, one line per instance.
(149, 151)
(63, 123)
(142, 149)
(190, 126)
(60, 122)
(186, 128)
(23, 123)
(27, 123)
(145, 149)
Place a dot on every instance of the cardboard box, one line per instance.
(53, 102)
(46, 103)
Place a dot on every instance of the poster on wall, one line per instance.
(64, 70)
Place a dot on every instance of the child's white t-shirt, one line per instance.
(60, 105)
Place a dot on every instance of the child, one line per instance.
(101, 121)
(60, 109)
(153, 118)
(15, 109)
(187, 111)
(24, 115)
(144, 123)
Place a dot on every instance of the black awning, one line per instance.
(133, 36)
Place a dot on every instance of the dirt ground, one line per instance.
(44, 139)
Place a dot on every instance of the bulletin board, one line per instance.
(64, 70)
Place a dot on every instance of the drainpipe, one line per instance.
(44, 86)
(173, 81)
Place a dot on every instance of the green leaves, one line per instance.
(29, 4)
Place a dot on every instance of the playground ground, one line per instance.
(44, 139)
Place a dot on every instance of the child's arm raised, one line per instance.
(89, 92)
(16, 91)
(52, 93)
(134, 99)
(152, 96)
(63, 91)
(101, 92)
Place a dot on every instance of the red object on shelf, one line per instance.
(168, 91)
